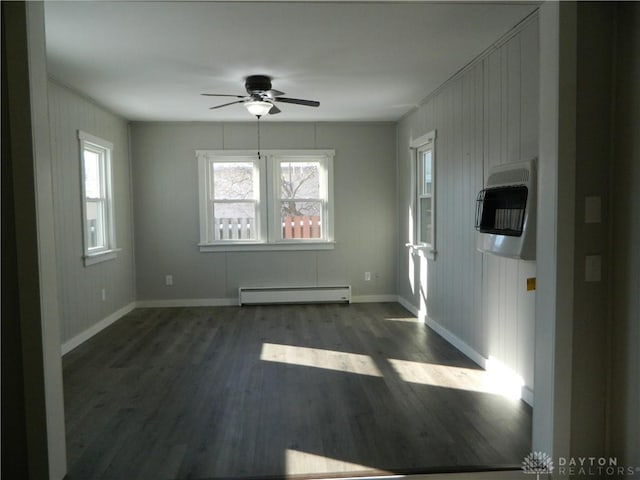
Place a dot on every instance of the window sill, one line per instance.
(422, 250)
(99, 257)
(429, 253)
(264, 247)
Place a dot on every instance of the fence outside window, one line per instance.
(293, 227)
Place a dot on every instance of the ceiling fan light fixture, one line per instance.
(258, 107)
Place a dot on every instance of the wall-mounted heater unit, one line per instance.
(506, 211)
(312, 294)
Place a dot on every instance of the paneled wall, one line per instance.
(511, 135)
(80, 287)
(166, 211)
(485, 116)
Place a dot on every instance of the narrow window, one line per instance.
(425, 196)
(97, 195)
(425, 193)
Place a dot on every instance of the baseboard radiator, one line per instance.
(275, 295)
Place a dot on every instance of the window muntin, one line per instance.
(97, 198)
(283, 198)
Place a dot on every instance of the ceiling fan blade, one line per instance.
(221, 95)
(274, 110)
(226, 104)
(274, 93)
(298, 101)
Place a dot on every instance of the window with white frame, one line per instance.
(278, 201)
(302, 198)
(425, 191)
(233, 202)
(97, 199)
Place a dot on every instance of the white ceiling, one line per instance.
(364, 61)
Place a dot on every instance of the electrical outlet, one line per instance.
(168, 280)
(367, 276)
(104, 294)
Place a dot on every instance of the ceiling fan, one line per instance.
(261, 97)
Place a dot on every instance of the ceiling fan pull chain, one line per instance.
(258, 117)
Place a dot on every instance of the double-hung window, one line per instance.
(302, 198)
(282, 200)
(425, 236)
(97, 199)
(232, 188)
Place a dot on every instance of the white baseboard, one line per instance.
(457, 342)
(405, 303)
(225, 302)
(444, 333)
(98, 327)
(188, 302)
(374, 298)
(526, 393)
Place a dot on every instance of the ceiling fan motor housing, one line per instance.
(257, 83)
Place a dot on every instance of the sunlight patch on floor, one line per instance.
(320, 358)
(473, 380)
(298, 463)
(403, 319)
(508, 383)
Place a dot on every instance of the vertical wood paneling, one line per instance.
(512, 134)
(484, 117)
(480, 339)
(80, 287)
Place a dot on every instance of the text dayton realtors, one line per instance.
(593, 466)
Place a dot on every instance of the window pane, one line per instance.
(233, 180)
(425, 220)
(234, 221)
(95, 225)
(300, 179)
(92, 174)
(426, 172)
(301, 219)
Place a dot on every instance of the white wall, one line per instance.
(166, 211)
(485, 116)
(80, 287)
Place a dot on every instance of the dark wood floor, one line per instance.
(202, 393)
